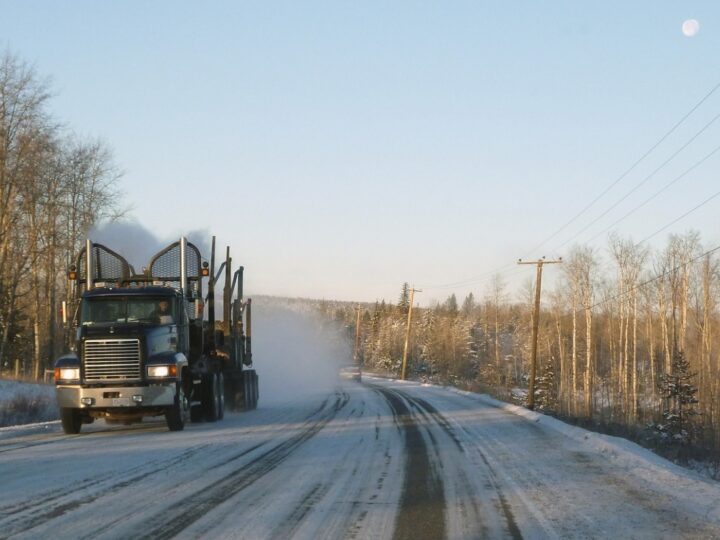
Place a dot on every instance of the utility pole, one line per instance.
(535, 321)
(356, 352)
(407, 332)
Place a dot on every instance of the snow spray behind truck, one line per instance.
(145, 344)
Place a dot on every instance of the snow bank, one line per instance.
(24, 403)
(659, 474)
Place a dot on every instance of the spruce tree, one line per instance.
(451, 305)
(545, 394)
(404, 301)
(678, 393)
(468, 304)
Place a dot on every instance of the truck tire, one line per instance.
(71, 420)
(197, 413)
(253, 390)
(175, 415)
(257, 390)
(247, 390)
(230, 393)
(210, 398)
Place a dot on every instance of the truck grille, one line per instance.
(112, 359)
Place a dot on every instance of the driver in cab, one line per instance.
(162, 314)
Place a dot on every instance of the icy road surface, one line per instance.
(380, 459)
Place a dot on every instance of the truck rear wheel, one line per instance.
(211, 401)
(250, 389)
(71, 420)
(247, 391)
(256, 389)
(175, 414)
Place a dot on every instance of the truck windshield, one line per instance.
(127, 309)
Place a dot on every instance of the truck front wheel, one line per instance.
(175, 414)
(71, 420)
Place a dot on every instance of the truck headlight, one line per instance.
(162, 371)
(67, 374)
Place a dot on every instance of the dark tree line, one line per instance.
(53, 187)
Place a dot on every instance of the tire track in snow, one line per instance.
(195, 506)
(226, 461)
(503, 477)
(422, 504)
(32, 514)
(447, 427)
(294, 521)
(55, 438)
(10, 447)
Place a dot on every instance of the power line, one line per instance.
(486, 275)
(666, 186)
(476, 281)
(630, 169)
(673, 222)
(642, 182)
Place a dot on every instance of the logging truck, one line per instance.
(147, 344)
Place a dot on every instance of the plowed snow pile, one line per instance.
(26, 403)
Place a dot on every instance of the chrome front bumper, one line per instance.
(129, 397)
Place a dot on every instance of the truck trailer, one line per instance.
(147, 344)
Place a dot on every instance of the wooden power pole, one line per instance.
(356, 352)
(407, 332)
(535, 323)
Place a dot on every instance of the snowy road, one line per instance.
(375, 460)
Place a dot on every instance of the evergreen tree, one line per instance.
(679, 413)
(451, 305)
(404, 301)
(427, 338)
(545, 393)
(468, 305)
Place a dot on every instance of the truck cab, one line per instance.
(144, 345)
(132, 347)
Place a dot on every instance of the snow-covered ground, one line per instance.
(323, 457)
(23, 403)
(381, 459)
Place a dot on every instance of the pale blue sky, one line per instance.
(342, 148)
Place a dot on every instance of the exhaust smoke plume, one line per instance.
(138, 244)
(295, 353)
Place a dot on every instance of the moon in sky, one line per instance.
(690, 27)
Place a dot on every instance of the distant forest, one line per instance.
(626, 342)
(54, 186)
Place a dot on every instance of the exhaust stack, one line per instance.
(88, 265)
(183, 266)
